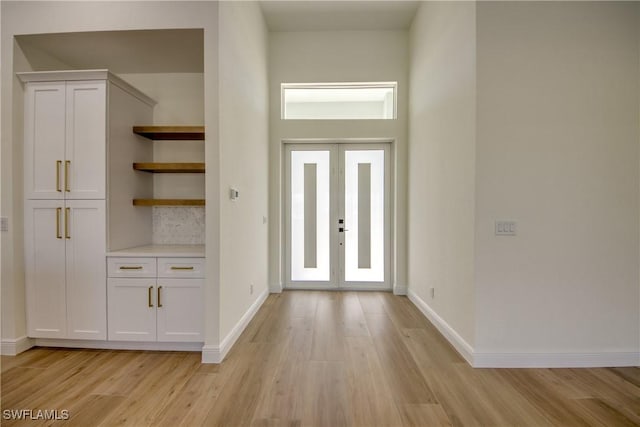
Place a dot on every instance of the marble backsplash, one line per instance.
(178, 225)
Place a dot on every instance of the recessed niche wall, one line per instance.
(173, 76)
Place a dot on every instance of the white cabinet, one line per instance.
(65, 269)
(181, 267)
(132, 311)
(71, 121)
(85, 237)
(65, 139)
(44, 139)
(45, 272)
(131, 267)
(180, 313)
(155, 308)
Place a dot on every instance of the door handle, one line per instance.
(342, 229)
(58, 164)
(149, 303)
(67, 229)
(67, 165)
(58, 233)
(159, 301)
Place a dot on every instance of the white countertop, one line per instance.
(173, 251)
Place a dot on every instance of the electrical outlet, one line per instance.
(433, 293)
(4, 224)
(506, 228)
(251, 289)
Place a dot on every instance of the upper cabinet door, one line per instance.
(85, 163)
(44, 138)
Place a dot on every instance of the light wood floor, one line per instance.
(317, 359)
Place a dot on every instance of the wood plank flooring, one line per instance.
(316, 359)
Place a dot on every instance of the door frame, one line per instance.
(337, 283)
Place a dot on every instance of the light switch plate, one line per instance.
(4, 223)
(234, 194)
(506, 228)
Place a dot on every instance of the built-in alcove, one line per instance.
(168, 66)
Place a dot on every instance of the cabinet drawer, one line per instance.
(131, 267)
(181, 267)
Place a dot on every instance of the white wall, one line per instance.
(337, 56)
(52, 17)
(11, 194)
(243, 136)
(557, 151)
(442, 114)
(13, 297)
(180, 101)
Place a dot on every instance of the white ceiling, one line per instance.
(144, 51)
(328, 15)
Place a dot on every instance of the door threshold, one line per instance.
(357, 289)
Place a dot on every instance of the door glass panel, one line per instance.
(364, 216)
(310, 180)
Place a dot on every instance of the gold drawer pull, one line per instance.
(67, 229)
(58, 164)
(159, 302)
(67, 165)
(182, 268)
(149, 296)
(58, 233)
(137, 267)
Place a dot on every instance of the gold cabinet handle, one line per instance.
(58, 164)
(67, 229)
(58, 212)
(125, 267)
(182, 268)
(159, 302)
(149, 296)
(67, 165)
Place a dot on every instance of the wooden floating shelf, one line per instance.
(171, 133)
(168, 202)
(169, 167)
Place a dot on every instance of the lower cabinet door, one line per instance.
(45, 269)
(132, 309)
(85, 236)
(180, 310)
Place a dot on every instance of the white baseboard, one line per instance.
(15, 346)
(461, 346)
(275, 289)
(211, 354)
(488, 359)
(555, 360)
(119, 345)
(216, 354)
(400, 290)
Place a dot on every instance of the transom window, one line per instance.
(339, 101)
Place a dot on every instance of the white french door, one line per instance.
(337, 215)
